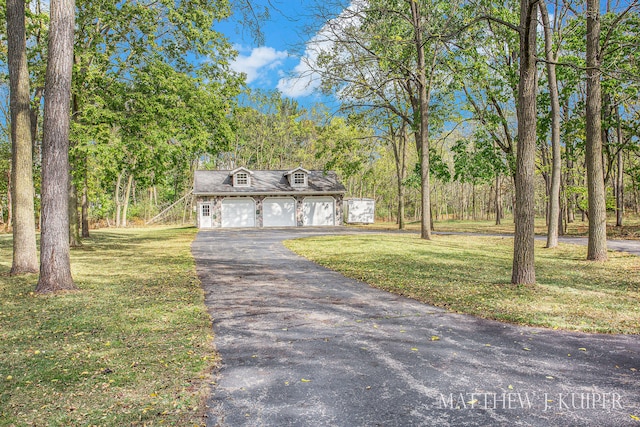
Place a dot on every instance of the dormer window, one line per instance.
(241, 177)
(298, 178)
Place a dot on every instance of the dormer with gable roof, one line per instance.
(298, 177)
(241, 177)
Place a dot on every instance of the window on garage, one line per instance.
(299, 179)
(241, 179)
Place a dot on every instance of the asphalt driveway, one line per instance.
(305, 346)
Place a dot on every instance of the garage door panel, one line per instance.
(279, 212)
(240, 212)
(318, 211)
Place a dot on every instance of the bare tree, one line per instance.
(55, 269)
(25, 255)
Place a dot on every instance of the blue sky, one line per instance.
(277, 63)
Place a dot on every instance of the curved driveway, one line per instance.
(304, 346)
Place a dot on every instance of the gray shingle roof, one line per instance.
(212, 183)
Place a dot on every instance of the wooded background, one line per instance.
(445, 108)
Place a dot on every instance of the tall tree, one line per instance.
(524, 213)
(55, 268)
(25, 258)
(556, 160)
(597, 245)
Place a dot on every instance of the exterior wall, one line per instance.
(339, 208)
(259, 211)
(299, 211)
(216, 209)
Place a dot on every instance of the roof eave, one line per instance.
(269, 193)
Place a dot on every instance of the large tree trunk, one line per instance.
(556, 160)
(597, 245)
(25, 253)
(55, 269)
(425, 228)
(524, 214)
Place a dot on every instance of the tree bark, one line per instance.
(55, 268)
(117, 198)
(74, 219)
(9, 202)
(556, 158)
(619, 174)
(498, 200)
(399, 143)
(597, 245)
(85, 206)
(25, 253)
(524, 214)
(425, 227)
(125, 205)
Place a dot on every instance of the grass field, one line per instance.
(131, 347)
(630, 229)
(471, 274)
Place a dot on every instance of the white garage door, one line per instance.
(318, 211)
(279, 212)
(238, 212)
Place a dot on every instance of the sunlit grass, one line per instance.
(131, 347)
(471, 274)
(629, 230)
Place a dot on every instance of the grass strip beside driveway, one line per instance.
(131, 347)
(471, 274)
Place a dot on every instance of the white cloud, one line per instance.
(304, 78)
(257, 61)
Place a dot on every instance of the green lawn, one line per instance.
(131, 347)
(471, 275)
(629, 230)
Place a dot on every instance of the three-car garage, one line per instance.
(242, 198)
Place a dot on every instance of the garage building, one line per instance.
(274, 198)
